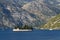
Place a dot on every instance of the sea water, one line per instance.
(31, 35)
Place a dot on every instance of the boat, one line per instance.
(22, 29)
(25, 28)
(50, 29)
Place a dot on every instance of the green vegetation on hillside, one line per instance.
(53, 23)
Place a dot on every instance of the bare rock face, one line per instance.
(33, 13)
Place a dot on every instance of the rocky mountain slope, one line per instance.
(53, 23)
(24, 12)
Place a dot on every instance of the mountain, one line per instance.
(11, 12)
(43, 9)
(53, 23)
(27, 12)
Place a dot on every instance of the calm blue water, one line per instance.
(34, 35)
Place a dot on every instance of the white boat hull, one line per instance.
(22, 30)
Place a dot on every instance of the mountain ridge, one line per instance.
(33, 13)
